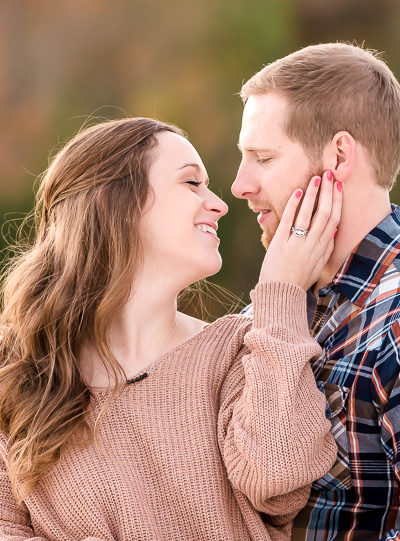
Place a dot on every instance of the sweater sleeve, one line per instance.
(272, 430)
(15, 524)
(14, 518)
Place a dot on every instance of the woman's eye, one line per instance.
(263, 160)
(194, 182)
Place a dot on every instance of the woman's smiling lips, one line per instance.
(209, 228)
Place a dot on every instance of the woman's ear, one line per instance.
(339, 155)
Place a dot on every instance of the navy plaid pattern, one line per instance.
(357, 322)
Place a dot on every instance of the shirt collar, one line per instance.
(365, 266)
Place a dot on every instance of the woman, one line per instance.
(123, 419)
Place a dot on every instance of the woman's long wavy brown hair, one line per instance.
(66, 287)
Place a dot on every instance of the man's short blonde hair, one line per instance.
(333, 87)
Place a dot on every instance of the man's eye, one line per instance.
(263, 160)
(194, 182)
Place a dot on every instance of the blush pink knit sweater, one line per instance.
(227, 425)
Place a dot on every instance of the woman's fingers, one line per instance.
(308, 204)
(334, 218)
(314, 209)
(300, 259)
(324, 207)
(285, 225)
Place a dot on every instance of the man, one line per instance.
(336, 108)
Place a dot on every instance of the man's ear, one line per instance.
(339, 155)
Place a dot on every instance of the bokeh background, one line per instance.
(181, 61)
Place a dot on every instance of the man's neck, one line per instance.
(356, 222)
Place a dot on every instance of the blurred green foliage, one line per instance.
(181, 61)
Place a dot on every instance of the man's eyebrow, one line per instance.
(196, 166)
(255, 149)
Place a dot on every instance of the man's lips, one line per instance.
(263, 217)
(262, 214)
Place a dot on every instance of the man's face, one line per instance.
(272, 165)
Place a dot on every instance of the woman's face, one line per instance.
(179, 228)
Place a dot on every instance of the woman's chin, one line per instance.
(208, 268)
(213, 268)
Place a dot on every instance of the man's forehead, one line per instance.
(263, 121)
(263, 109)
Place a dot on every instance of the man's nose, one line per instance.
(244, 187)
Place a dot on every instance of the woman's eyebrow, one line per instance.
(196, 165)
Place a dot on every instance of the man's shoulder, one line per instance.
(387, 289)
(374, 325)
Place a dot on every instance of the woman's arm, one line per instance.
(14, 519)
(273, 434)
(15, 524)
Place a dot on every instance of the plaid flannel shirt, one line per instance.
(357, 322)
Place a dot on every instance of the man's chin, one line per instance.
(266, 238)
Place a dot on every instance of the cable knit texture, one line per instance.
(219, 443)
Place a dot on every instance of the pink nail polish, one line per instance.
(299, 193)
(335, 233)
(329, 175)
(317, 182)
(339, 186)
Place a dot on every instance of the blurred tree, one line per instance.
(183, 62)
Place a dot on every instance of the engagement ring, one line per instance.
(299, 231)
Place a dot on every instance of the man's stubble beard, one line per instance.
(267, 235)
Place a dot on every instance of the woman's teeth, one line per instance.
(206, 229)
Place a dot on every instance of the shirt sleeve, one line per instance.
(273, 434)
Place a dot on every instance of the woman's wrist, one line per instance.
(278, 304)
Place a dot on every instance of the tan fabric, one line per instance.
(227, 424)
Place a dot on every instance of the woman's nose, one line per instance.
(216, 204)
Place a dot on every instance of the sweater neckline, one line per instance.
(102, 391)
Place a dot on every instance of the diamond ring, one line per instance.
(299, 231)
